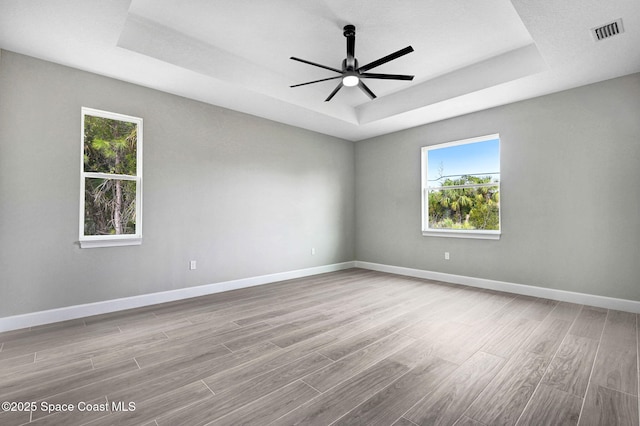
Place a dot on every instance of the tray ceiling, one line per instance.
(235, 53)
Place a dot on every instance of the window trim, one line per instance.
(94, 241)
(456, 233)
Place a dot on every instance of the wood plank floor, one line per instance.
(353, 347)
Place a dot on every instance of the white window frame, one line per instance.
(456, 233)
(93, 241)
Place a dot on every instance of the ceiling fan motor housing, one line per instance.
(349, 31)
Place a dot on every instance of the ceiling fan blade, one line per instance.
(387, 76)
(316, 81)
(338, 87)
(366, 90)
(316, 65)
(384, 60)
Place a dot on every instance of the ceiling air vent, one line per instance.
(607, 30)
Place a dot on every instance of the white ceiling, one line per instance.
(469, 55)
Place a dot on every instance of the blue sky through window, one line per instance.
(477, 158)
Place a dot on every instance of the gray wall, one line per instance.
(245, 196)
(241, 195)
(570, 195)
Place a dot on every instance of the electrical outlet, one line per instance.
(446, 255)
(313, 251)
(192, 265)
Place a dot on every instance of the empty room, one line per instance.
(319, 212)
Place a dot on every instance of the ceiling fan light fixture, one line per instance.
(350, 80)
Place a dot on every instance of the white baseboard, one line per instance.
(107, 306)
(528, 290)
(85, 310)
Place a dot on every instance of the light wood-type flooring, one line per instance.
(353, 347)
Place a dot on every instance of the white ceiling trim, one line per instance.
(149, 38)
(491, 72)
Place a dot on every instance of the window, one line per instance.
(461, 188)
(111, 179)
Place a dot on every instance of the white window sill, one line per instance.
(454, 233)
(110, 242)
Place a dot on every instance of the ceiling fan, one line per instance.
(352, 74)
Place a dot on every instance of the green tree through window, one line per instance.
(461, 188)
(111, 175)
